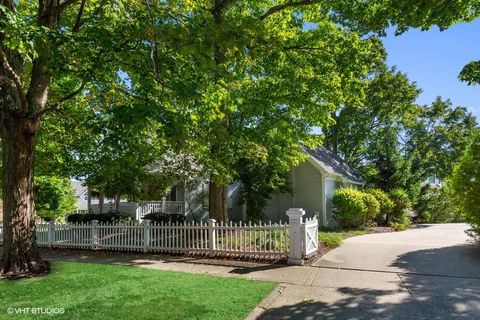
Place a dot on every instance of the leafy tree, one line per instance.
(202, 65)
(243, 66)
(390, 99)
(54, 197)
(465, 186)
(435, 204)
(471, 73)
(50, 53)
(436, 137)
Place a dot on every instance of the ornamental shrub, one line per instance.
(402, 208)
(372, 208)
(386, 205)
(348, 207)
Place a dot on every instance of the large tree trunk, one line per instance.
(217, 200)
(21, 257)
(217, 192)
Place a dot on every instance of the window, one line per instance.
(85, 197)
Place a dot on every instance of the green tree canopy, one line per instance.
(466, 186)
(54, 197)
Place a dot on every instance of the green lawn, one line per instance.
(333, 238)
(96, 291)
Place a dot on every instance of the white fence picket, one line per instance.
(241, 239)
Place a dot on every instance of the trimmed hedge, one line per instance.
(106, 217)
(353, 207)
(160, 217)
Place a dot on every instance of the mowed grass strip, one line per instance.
(99, 291)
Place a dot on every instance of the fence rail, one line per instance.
(251, 240)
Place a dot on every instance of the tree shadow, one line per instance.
(438, 283)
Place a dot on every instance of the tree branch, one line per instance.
(64, 5)
(15, 78)
(289, 4)
(62, 100)
(78, 22)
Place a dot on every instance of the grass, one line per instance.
(99, 291)
(333, 238)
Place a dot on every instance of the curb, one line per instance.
(265, 303)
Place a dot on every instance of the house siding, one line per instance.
(308, 188)
(276, 209)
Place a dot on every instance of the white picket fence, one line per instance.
(250, 240)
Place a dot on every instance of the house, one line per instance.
(89, 201)
(433, 181)
(313, 183)
(81, 194)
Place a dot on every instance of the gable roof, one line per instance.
(333, 164)
(79, 187)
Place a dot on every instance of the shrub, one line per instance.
(435, 204)
(402, 208)
(372, 208)
(386, 204)
(160, 217)
(111, 217)
(348, 207)
(353, 207)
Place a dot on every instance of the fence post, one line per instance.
(295, 221)
(146, 235)
(164, 204)
(51, 233)
(94, 234)
(212, 235)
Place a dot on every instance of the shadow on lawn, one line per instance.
(139, 259)
(440, 283)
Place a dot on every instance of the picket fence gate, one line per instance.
(294, 241)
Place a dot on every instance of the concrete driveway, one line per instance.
(430, 272)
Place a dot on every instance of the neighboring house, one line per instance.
(82, 195)
(433, 181)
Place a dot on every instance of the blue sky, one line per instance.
(433, 59)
